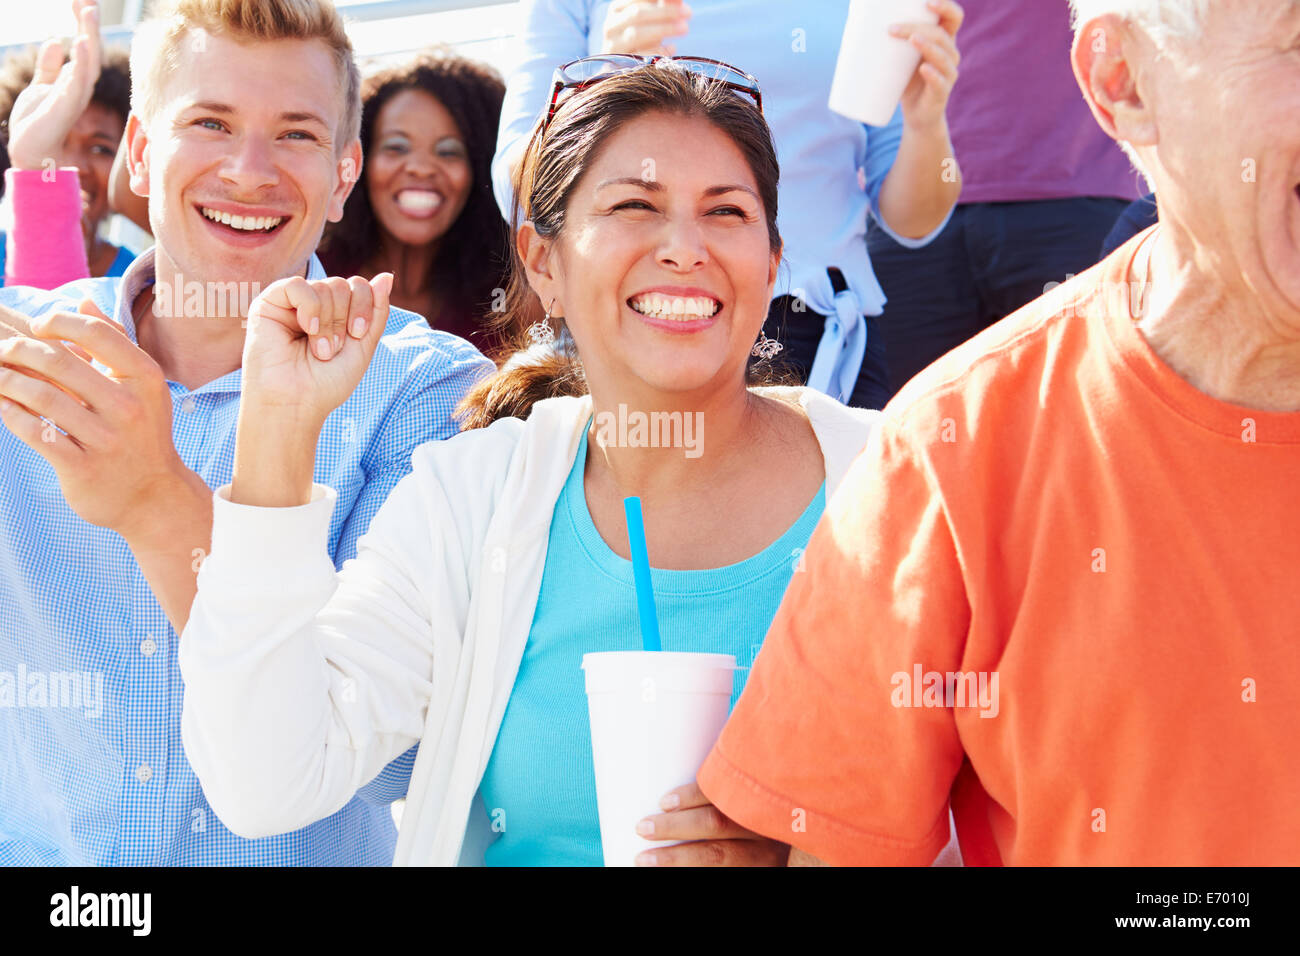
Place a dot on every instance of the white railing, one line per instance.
(363, 12)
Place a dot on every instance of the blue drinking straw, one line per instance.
(645, 594)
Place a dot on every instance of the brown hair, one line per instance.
(155, 49)
(552, 165)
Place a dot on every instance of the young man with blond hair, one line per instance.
(120, 399)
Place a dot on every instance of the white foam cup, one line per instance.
(874, 68)
(655, 715)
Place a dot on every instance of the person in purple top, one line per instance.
(1043, 186)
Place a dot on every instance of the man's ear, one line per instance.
(137, 155)
(536, 253)
(349, 174)
(1107, 58)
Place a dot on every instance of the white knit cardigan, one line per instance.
(301, 683)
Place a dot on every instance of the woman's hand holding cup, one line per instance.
(713, 839)
(925, 99)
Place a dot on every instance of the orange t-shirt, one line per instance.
(1060, 589)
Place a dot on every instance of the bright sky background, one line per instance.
(25, 21)
(479, 32)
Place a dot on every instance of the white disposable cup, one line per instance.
(655, 715)
(874, 68)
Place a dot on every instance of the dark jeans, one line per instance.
(991, 259)
(1140, 215)
(801, 331)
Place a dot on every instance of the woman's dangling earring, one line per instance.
(541, 333)
(765, 348)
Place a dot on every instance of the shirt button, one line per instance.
(187, 405)
(143, 773)
(148, 646)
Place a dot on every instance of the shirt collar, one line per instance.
(137, 277)
(142, 273)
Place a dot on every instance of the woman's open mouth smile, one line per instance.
(676, 313)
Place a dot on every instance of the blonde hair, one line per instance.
(155, 49)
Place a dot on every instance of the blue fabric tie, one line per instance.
(841, 350)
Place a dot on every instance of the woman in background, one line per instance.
(427, 214)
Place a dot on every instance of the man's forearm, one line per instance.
(922, 185)
(171, 547)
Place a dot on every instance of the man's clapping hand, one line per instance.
(107, 430)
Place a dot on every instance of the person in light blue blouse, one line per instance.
(834, 171)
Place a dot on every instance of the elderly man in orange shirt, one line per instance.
(1057, 593)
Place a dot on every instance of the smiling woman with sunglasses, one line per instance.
(836, 173)
(582, 74)
(648, 233)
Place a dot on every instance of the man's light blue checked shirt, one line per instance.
(91, 766)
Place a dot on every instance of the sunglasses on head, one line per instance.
(578, 75)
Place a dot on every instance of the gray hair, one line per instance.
(1163, 19)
